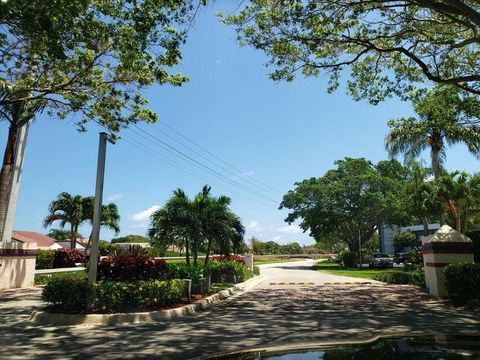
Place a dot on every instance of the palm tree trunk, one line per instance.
(73, 238)
(458, 223)
(436, 162)
(187, 251)
(6, 172)
(209, 248)
(426, 231)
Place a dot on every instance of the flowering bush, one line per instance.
(126, 267)
(238, 258)
(68, 258)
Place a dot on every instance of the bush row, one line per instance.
(72, 294)
(416, 277)
(228, 271)
(462, 282)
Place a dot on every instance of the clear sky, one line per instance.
(276, 133)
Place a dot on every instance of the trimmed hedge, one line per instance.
(462, 282)
(67, 294)
(228, 271)
(256, 270)
(184, 271)
(43, 279)
(347, 259)
(44, 259)
(402, 277)
(475, 237)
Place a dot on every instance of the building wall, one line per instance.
(387, 233)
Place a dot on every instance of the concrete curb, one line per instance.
(56, 319)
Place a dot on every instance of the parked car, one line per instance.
(380, 260)
(400, 258)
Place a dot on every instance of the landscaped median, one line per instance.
(389, 276)
(136, 288)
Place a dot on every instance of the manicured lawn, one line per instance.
(336, 269)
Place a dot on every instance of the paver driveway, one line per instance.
(265, 316)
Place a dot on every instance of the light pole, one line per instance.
(97, 211)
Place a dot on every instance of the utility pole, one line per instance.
(19, 154)
(97, 211)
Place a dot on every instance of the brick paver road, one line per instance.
(268, 315)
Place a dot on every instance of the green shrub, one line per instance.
(178, 270)
(402, 277)
(462, 282)
(43, 279)
(475, 237)
(347, 259)
(68, 294)
(44, 259)
(137, 295)
(256, 270)
(228, 271)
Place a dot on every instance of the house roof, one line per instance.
(32, 237)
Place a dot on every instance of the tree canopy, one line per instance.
(130, 239)
(389, 47)
(444, 118)
(349, 201)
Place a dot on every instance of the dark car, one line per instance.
(380, 260)
(400, 258)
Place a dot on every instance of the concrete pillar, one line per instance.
(17, 265)
(249, 261)
(445, 247)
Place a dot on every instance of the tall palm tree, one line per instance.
(67, 209)
(444, 118)
(175, 222)
(110, 216)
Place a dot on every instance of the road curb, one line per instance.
(56, 319)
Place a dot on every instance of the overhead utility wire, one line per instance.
(185, 157)
(220, 159)
(243, 176)
(174, 164)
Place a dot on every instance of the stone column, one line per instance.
(445, 247)
(17, 265)
(249, 261)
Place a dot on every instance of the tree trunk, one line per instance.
(73, 239)
(187, 251)
(436, 156)
(6, 172)
(458, 223)
(426, 231)
(207, 255)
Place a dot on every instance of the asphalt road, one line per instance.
(268, 315)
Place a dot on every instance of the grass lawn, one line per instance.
(336, 269)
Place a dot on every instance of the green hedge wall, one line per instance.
(475, 237)
(70, 294)
(463, 282)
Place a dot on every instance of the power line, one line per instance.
(171, 162)
(164, 145)
(218, 158)
(242, 176)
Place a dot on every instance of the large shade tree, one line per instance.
(88, 60)
(444, 119)
(350, 201)
(387, 47)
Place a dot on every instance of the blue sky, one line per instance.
(278, 133)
